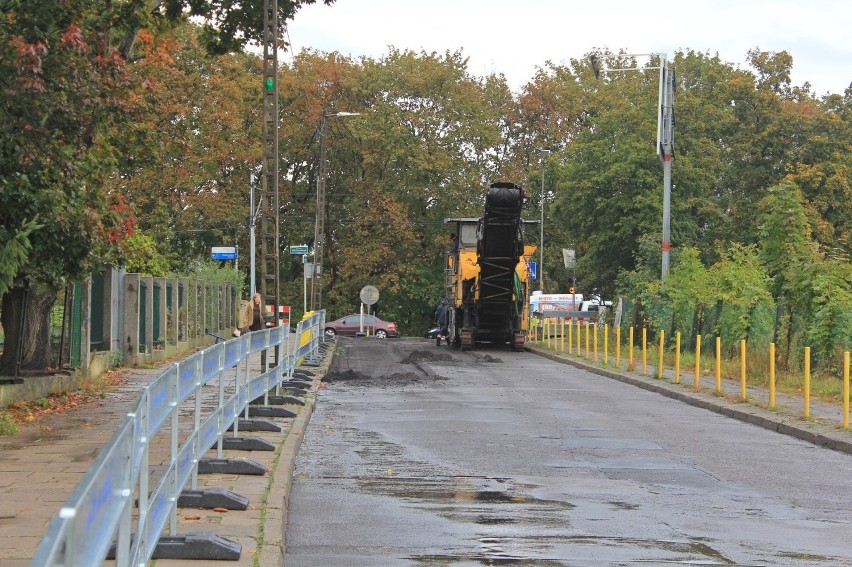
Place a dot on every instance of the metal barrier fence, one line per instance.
(97, 521)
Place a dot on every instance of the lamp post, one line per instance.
(665, 141)
(544, 154)
(319, 227)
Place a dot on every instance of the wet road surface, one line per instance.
(425, 456)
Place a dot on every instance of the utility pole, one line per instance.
(665, 149)
(319, 227)
(252, 240)
(268, 206)
(544, 154)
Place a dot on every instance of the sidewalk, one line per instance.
(824, 428)
(42, 464)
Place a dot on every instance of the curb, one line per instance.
(811, 432)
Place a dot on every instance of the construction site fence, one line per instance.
(126, 498)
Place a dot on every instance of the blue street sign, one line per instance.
(299, 250)
(223, 253)
(531, 266)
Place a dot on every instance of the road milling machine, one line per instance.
(487, 279)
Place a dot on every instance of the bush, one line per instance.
(7, 424)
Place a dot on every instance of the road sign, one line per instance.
(569, 257)
(369, 295)
(300, 250)
(223, 253)
(531, 266)
(309, 269)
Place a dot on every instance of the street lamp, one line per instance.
(665, 141)
(319, 227)
(544, 154)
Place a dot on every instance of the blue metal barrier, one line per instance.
(99, 514)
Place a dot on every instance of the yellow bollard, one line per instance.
(570, 336)
(562, 334)
(630, 365)
(579, 332)
(606, 344)
(587, 339)
(644, 351)
(846, 390)
(618, 347)
(697, 382)
(718, 365)
(595, 340)
(771, 375)
(807, 382)
(661, 354)
(677, 358)
(548, 332)
(743, 359)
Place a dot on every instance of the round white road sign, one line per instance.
(369, 295)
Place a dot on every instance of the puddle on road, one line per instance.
(574, 550)
(476, 501)
(518, 528)
(811, 557)
(623, 505)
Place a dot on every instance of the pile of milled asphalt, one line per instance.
(354, 377)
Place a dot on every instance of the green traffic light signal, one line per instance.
(270, 84)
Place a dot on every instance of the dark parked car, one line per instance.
(432, 333)
(349, 326)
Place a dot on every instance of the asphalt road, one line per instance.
(422, 455)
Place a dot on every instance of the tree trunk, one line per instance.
(36, 352)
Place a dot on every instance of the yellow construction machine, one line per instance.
(487, 279)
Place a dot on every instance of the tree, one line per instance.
(228, 25)
(689, 286)
(64, 93)
(741, 282)
(184, 162)
(423, 149)
(61, 84)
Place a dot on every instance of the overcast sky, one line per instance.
(514, 37)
